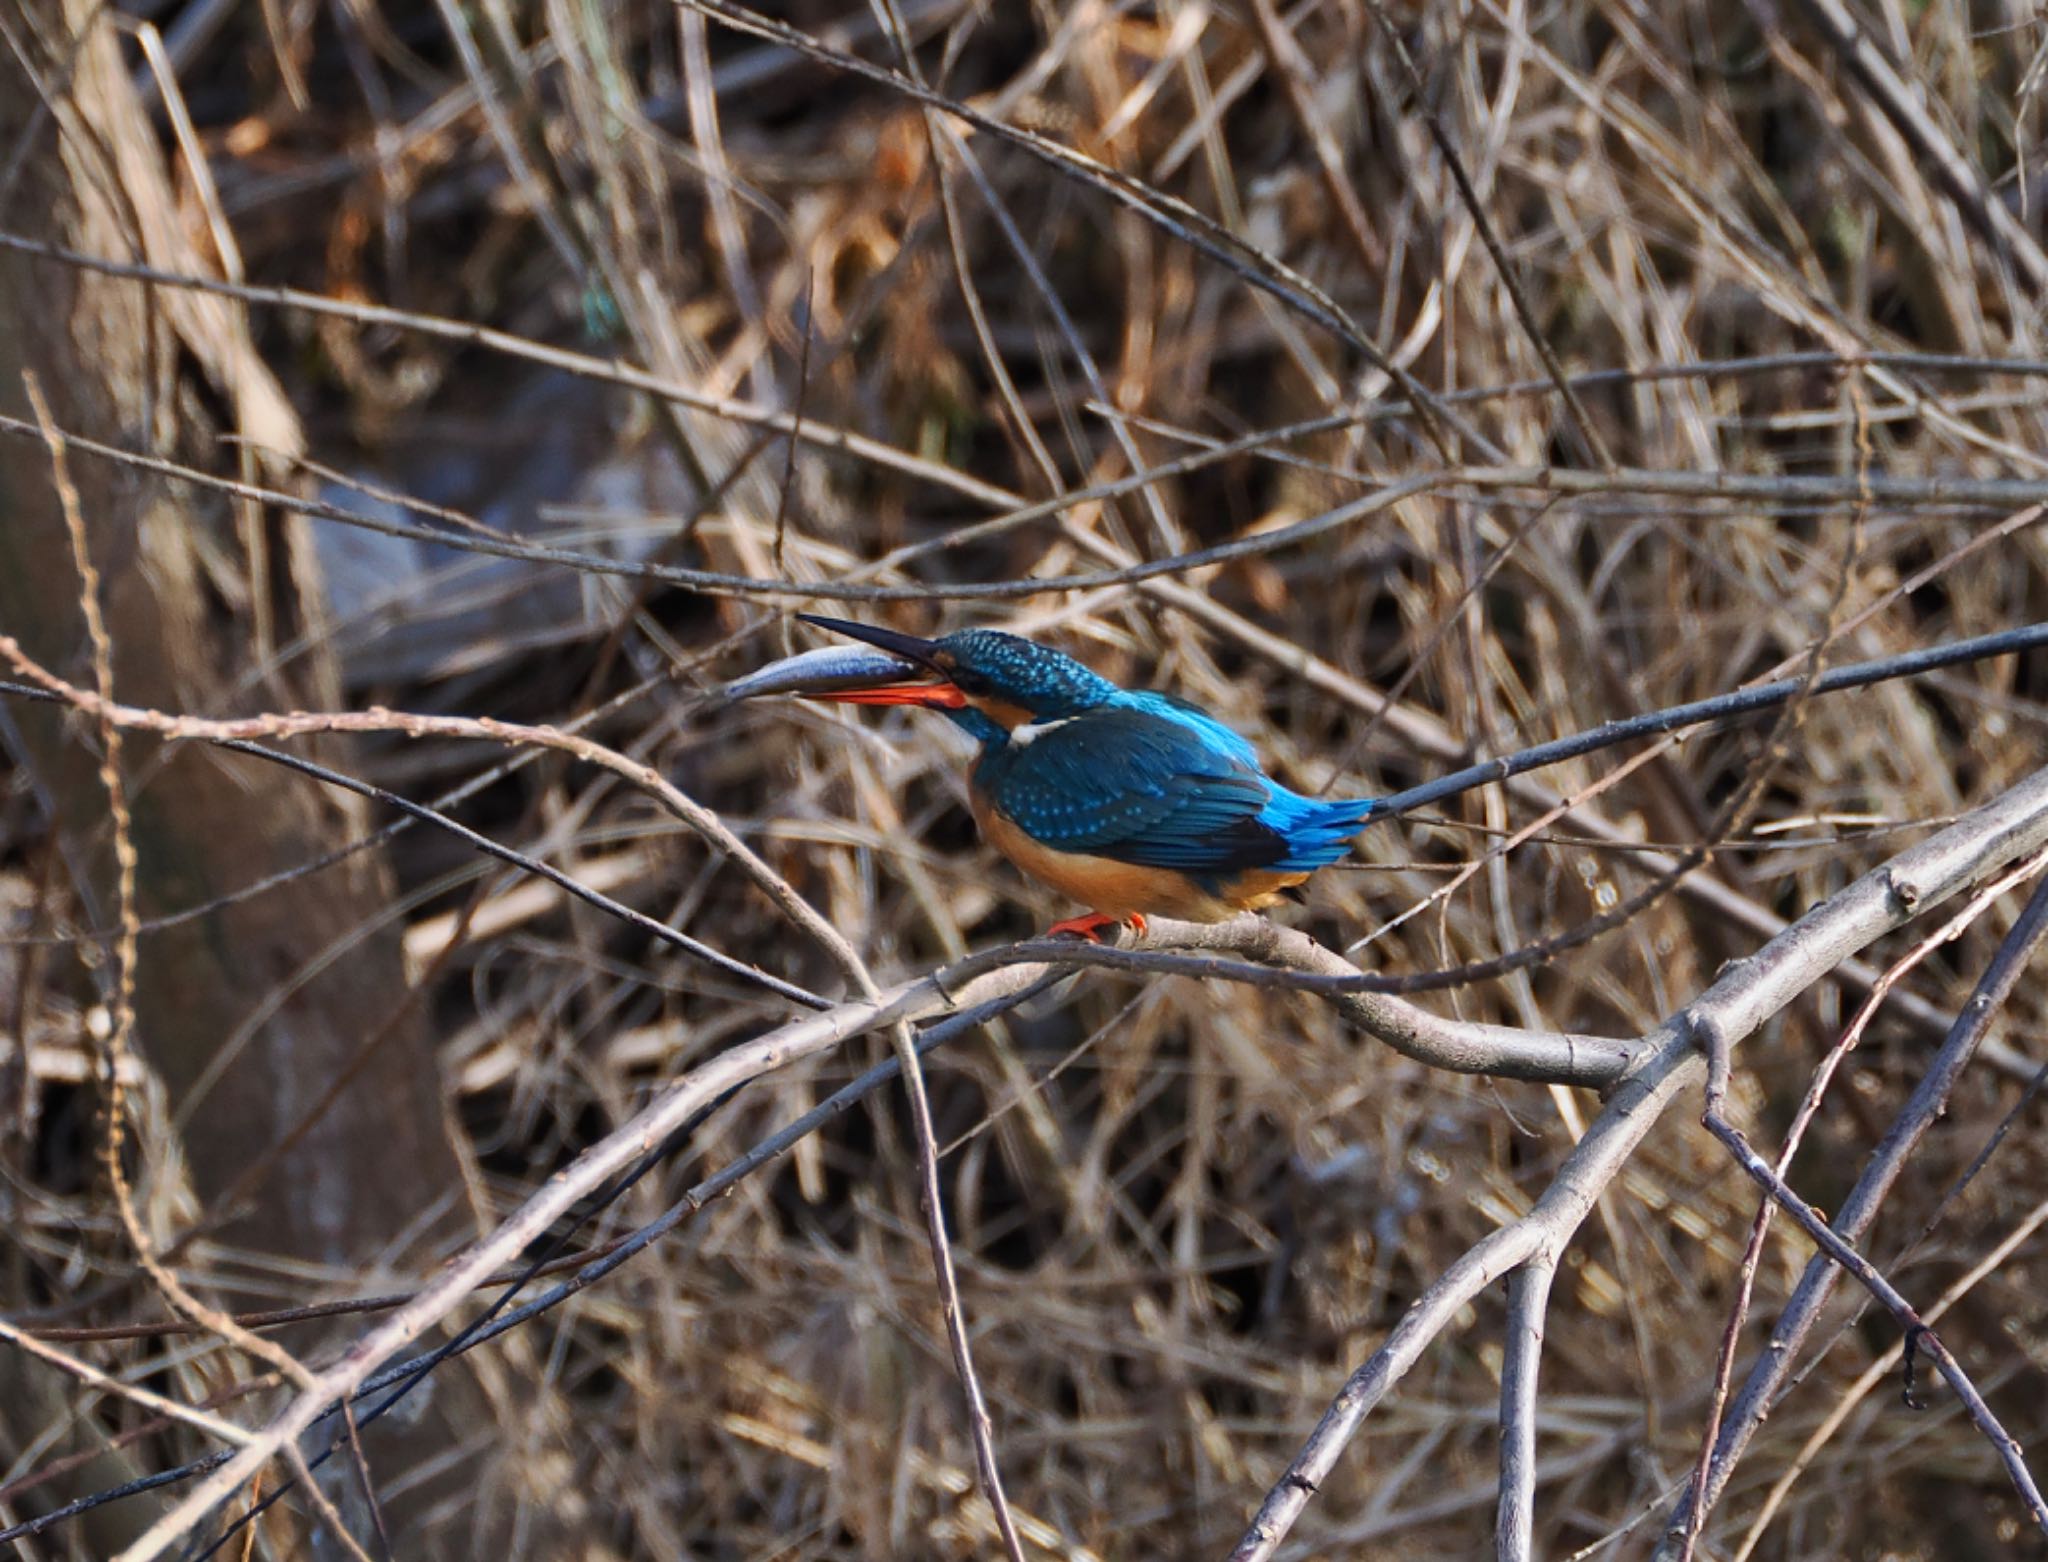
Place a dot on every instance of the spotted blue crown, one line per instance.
(1048, 683)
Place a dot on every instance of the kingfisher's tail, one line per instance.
(1318, 830)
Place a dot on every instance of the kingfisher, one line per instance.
(1130, 802)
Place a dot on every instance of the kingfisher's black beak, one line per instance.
(907, 646)
(911, 673)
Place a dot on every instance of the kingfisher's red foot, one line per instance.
(1090, 927)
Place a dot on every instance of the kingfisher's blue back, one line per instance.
(1144, 779)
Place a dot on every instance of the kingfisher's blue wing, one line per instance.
(1207, 727)
(1137, 787)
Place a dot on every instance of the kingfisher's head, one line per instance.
(989, 682)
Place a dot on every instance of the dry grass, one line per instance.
(1182, 1211)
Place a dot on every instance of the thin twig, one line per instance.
(121, 1002)
(1171, 215)
(86, 1373)
(1989, 1264)
(1918, 1335)
(1582, 420)
(1299, 963)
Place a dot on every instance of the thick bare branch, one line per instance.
(1747, 993)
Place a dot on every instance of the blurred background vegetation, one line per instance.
(1182, 1211)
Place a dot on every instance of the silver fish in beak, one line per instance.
(887, 668)
(835, 669)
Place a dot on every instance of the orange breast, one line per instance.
(1117, 889)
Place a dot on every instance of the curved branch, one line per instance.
(1747, 993)
(1293, 961)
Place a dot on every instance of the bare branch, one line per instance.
(1881, 1368)
(1860, 1208)
(1528, 1303)
(1747, 993)
(778, 1049)
(1918, 1335)
(1816, 1089)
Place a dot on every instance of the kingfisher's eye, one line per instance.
(970, 682)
